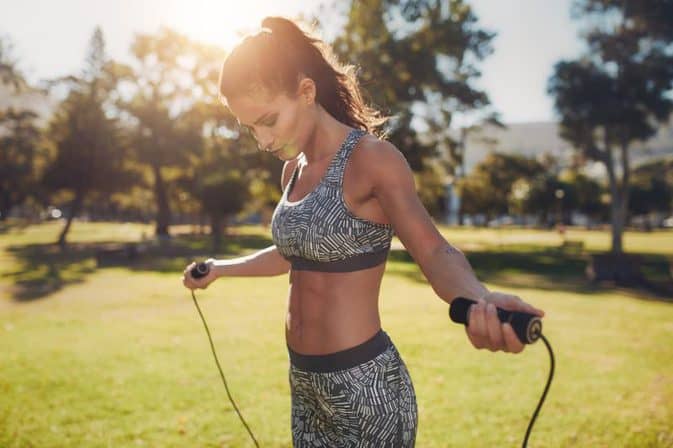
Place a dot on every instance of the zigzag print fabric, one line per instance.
(318, 232)
(370, 405)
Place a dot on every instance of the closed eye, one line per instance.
(270, 121)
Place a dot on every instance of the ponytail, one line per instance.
(276, 58)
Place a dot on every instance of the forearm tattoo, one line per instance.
(451, 249)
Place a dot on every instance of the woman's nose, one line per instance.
(264, 140)
(264, 146)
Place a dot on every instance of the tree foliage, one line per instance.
(10, 74)
(164, 132)
(652, 187)
(89, 149)
(618, 92)
(20, 143)
(488, 189)
(20, 138)
(416, 60)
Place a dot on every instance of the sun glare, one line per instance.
(223, 22)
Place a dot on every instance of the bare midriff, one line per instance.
(332, 311)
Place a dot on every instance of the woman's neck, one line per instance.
(325, 138)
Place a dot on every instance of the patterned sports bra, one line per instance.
(319, 233)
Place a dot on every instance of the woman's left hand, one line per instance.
(485, 330)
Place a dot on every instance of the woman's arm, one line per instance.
(266, 262)
(445, 266)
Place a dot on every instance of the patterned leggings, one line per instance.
(371, 404)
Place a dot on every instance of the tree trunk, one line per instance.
(624, 191)
(202, 222)
(74, 210)
(460, 171)
(620, 199)
(616, 219)
(5, 205)
(216, 230)
(616, 266)
(164, 212)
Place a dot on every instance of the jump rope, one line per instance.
(527, 327)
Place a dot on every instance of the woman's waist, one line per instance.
(323, 335)
(351, 354)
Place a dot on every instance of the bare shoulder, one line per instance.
(380, 161)
(374, 149)
(288, 169)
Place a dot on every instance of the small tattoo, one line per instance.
(451, 250)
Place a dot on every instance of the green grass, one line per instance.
(118, 357)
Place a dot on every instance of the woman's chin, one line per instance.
(288, 153)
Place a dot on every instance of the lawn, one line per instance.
(117, 356)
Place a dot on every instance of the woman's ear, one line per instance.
(307, 91)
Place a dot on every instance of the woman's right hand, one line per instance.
(198, 283)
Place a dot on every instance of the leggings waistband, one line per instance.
(344, 359)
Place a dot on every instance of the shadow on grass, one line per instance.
(43, 269)
(549, 269)
(14, 225)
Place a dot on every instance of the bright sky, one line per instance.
(50, 37)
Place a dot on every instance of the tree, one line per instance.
(219, 179)
(617, 93)
(164, 132)
(222, 192)
(588, 193)
(20, 138)
(416, 60)
(10, 75)
(488, 189)
(652, 187)
(19, 146)
(89, 148)
(536, 196)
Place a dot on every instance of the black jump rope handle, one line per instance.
(528, 327)
(200, 270)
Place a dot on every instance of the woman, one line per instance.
(344, 193)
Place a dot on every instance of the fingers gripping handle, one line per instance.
(527, 327)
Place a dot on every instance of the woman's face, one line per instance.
(280, 124)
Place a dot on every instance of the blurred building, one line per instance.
(536, 139)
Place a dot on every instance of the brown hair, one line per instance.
(277, 56)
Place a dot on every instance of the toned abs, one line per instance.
(332, 311)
